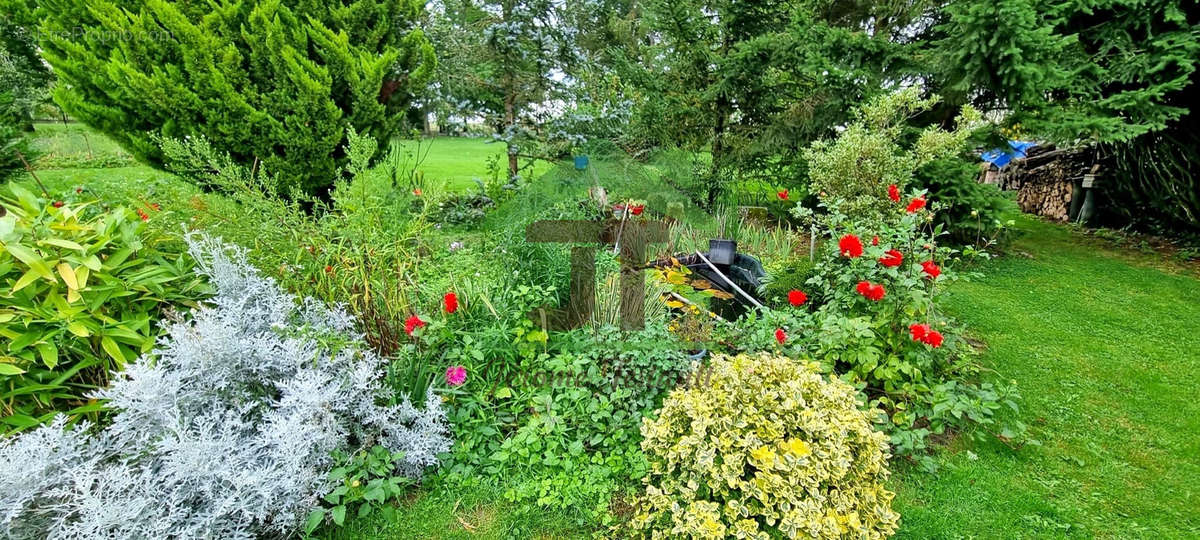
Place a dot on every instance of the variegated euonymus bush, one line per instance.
(762, 447)
(224, 431)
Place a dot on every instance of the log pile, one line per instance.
(1045, 178)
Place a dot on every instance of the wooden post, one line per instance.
(632, 238)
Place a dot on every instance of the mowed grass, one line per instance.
(1105, 349)
(452, 163)
(457, 162)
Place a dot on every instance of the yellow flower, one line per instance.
(764, 455)
(797, 447)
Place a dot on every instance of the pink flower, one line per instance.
(780, 336)
(413, 323)
(456, 375)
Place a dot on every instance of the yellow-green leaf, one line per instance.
(60, 243)
(81, 275)
(113, 350)
(68, 275)
(31, 259)
(9, 369)
(29, 277)
(49, 354)
(78, 329)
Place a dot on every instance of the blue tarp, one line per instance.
(1000, 157)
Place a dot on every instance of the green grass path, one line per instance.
(1105, 350)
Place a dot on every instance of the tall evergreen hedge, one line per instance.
(273, 82)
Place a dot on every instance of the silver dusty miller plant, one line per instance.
(224, 431)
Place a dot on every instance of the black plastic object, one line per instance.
(721, 251)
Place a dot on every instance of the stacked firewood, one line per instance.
(1044, 179)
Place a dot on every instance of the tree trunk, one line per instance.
(509, 121)
(718, 150)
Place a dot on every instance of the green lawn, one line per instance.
(1105, 349)
(458, 161)
(453, 162)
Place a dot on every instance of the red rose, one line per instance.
(891, 258)
(780, 336)
(931, 269)
(874, 240)
(916, 205)
(783, 195)
(894, 193)
(919, 331)
(797, 298)
(451, 302)
(413, 323)
(934, 338)
(57, 204)
(637, 209)
(850, 246)
(871, 291)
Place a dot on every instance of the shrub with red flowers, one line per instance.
(875, 321)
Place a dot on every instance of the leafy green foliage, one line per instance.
(82, 291)
(857, 167)
(752, 82)
(971, 212)
(367, 484)
(1093, 70)
(13, 144)
(272, 84)
(764, 446)
(580, 446)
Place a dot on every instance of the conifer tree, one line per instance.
(276, 83)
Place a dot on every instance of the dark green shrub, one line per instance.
(787, 275)
(13, 143)
(971, 212)
(274, 84)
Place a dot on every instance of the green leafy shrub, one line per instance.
(13, 143)
(787, 275)
(872, 317)
(857, 166)
(274, 84)
(579, 448)
(357, 248)
(79, 294)
(972, 213)
(763, 446)
(367, 483)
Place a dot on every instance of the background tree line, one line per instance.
(744, 85)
